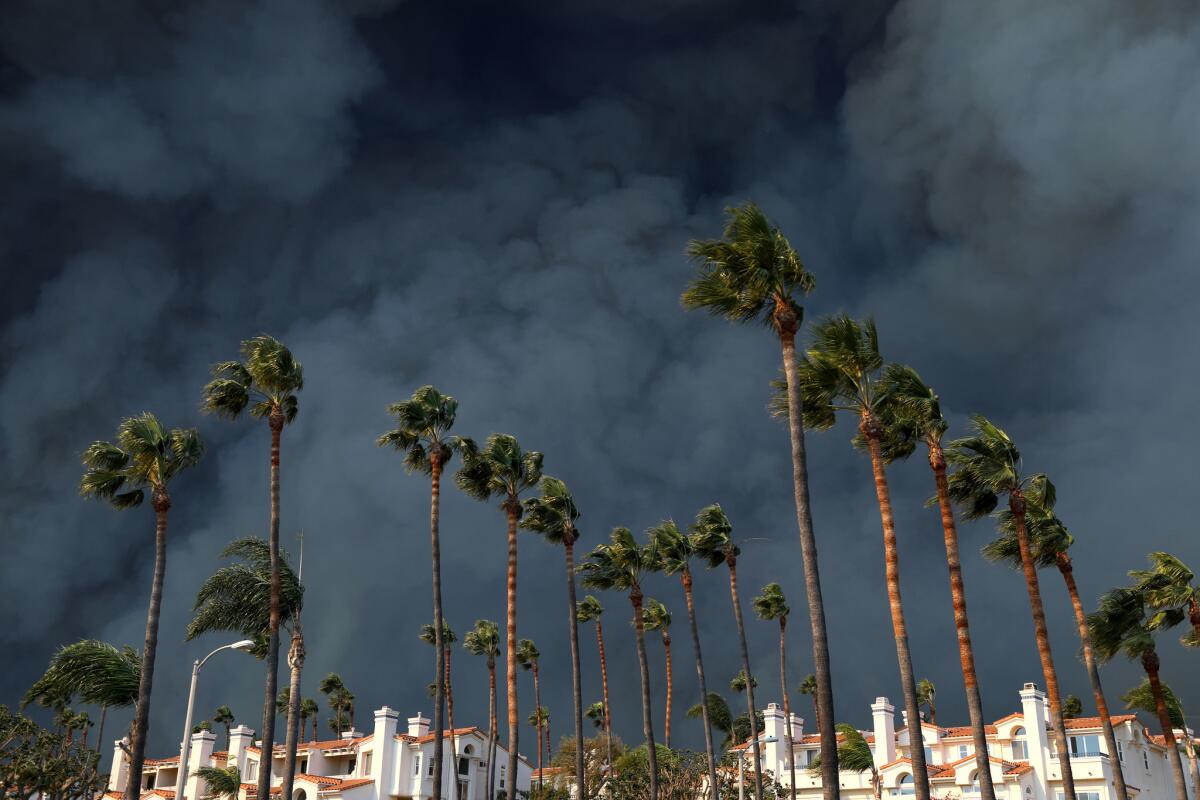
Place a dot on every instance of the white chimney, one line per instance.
(383, 766)
(883, 714)
(200, 755)
(239, 739)
(118, 772)
(418, 725)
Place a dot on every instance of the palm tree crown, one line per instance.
(221, 781)
(429, 636)
(483, 639)
(269, 376)
(145, 456)
(590, 609)
(771, 604)
(712, 537)
(553, 514)
(1169, 588)
(96, 672)
(618, 565)
(500, 469)
(656, 616)
(987, 465)
(422, 423)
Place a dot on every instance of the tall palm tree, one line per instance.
(1123, 625)
(423, 423)
(772, 605)
(334, 689)
(926, 696)
(1141, 698)
(675, 553)
(656, 617)
(808, 687)
(715, 711)
(267, 380)
(590, 610)
(484, 640)
(502, 469)
(537, 719)
(145, 457)
(986, 465)
(1169, 589)
(753, 273)
(553, 515)
(527, 658)
(912, 413)
(224, 716)
(221, 781)
(1049, 543)
(429, 636)
(854, 755)
(309, 710)
(1072, 707)
(841, 372)
(620, 565)
(712, 540)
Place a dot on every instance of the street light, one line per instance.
(245, 645)
(741, 766)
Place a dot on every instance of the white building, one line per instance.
(381, 765)
(1023, 760)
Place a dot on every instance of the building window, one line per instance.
(366, 764)
(928, 755)
(1120, 752)
(1081, 796)
(303, 766)
(1020, 751)
(962, 751)
(1146, 758)
(300, 794)
(904, 786)
(417, 764)
(1086, 745)
(148, 781)
(351, 764)
(973, 786)
(503, 772)
(429, 767)
(464, 766)
(251, 771)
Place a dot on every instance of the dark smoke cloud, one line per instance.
(496, 202)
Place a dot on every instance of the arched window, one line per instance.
(299, 794)
(1020, 751)
(973, 784)
(904, 786)
(468, 749)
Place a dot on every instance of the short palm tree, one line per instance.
(338, 697)
(502, 469)
(656, 617)
(986, 465)
(1123, 625)
(590, 610)
(1050, 543)
(224, 716)
(266, 380)
(595, 712)
(146, 457)
(927, 696)
(712, 540)
(808, 687)
(715, 712)
(527, 657)
(1170, 589)
(429, 636)
(422, 430)
(1141, 698)
(221, 781)
(675, 553)
(620, 565)
(553, 515)
(484, 640)
(842, 372)
(1072, 707)
(538, 720)
(309, 710)
(283, 700)
(912, 413)
(753, 273)
(772, 605)
(854, 755)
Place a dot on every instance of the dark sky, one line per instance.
(495, 198)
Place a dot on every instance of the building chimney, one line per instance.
(352, 734)
(797, 727)
(118, 772)
(883, 714)
(418, 725)
(240, 738)
(200, 755)
(383, 766)
(1037, 742)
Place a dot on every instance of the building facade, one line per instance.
(386, 764)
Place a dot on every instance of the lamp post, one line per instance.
(245, 645)
(742, 770)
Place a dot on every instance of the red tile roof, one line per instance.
(1094, 722)
(966, 730)
(157, 762)
(429, 737)
(166, 793)
(353, 783)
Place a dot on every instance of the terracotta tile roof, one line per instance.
(166, 793)
(966, 730)
(155, 762)
(429, 737)
(1019, 769)
(251, 789)
(1094, 722)
(1014, 715)
(323, 780)
(353, 783)
(327, 744)
(546, 772)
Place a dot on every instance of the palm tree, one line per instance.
(1072, 707)
(841, 372)
(339, 722)
(266, 380)
(422, 424)
(502, 469)
(1141, 698)
(429, 636)
(553, 515)
(1049, 543)
(621, 564)
(715, 711)
(334, 688)
(1168, 588)
(309, 710)
(527, 658)
(221, 781)
(1123, 625)
(589, 610)
(808, 687)
(754, 273)
(712, 540)
(675, 553)
(987, 465)
(145, 457)
(926, 695)
(912, 412)
(656, 617)
(539, 717)
(772, 605)
(224, 716)
(595, 712)
(283, 700)
(854, 755)
(484, 640)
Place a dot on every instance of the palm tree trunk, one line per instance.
(908, 684)
(272, 683)
(787, 706)
(686, 579)
(604, 688)
(292, 737)
(537, 716)
(141, 718)
(99, 730)
(316, 721)
(666, 640)
(635, 597)
(1089, 658)
(1189, 747)
(958, 595)
(439, 693)
(493, 712)
(1016, 504)
(1150, 664)
(513, 509)
(823, 699)
(731, 562)
(450, 718)
(576, 678)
